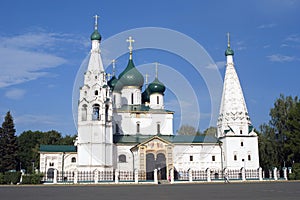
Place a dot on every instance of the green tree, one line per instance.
(9, 145)
(187, 130)
(211, 131)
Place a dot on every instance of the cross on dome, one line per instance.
(156, 69)
(228, 39)
(96, 21)
(130, 40)
(114, 66)
(146, 76)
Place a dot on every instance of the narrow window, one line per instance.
(96, 77)
(96, 92)
(114, 98)
(137, 127)
(191, 158)
(242, 144)
(106, 113)
(122, 158)
(213, 158)
(235, 157)
(241, 131)
(84, 113)
(117, 128)
(157, 99)
(249, 157)
(51, 164)
(73, 160)
(96, 114)
(131, 98)
(158, 128)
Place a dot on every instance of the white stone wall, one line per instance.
(55, 161)
(202, 156)
(123, 150)
(241, 147)
(148, 123)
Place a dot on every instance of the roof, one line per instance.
(175, 139)
(58, 148)
(141, 108)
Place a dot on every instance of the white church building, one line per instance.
(124, 128)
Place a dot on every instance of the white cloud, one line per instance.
(216, 65)
(265, 26)
(293, 38)
(30, 119)
(280, 58)
(27, 57)
(15, 94)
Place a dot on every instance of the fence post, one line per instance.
(96, 175)
(275, 173)
(136, 175)
(76, 176)
(190, 175)
(260, 177)
(243, 174)
(172, 175)
(55, 176)
(208, 175)
(116, 176)
(155, 176)
(285, 173)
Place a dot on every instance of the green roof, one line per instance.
(141, 108)
(229, 52)
(96, 35)
(58, 148)
(131, 76)
(156, 87)
(176, 139)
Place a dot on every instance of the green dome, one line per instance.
(131, 76)
(146, 96)
(114, 84)
(229, 52)
(156, 87)
(96, 35)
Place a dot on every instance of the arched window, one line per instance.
(157, 99)
(235, 157)
(249, 157)
(84, 112)
(96, 114)
(122, 158)
(73, 160)
(138, 127)
(96, 92)
(241, 131)
(131, 98)
(242, 144)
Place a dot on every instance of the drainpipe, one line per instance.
(220, 145)
(62, 166)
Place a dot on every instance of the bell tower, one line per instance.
(240, 144)
(95, 113)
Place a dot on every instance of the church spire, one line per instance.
(233, 116)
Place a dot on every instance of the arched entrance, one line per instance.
(50, 173)
(159, 163)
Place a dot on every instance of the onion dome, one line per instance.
(131, 76)
(156, 87)
(96, 35)
(229, 52)
(146, 96)
(115, 84)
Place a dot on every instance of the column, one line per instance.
(136, 175)
(243, 174)
(260, 177)
(275, 173)
(172, 175)
(285, 173)
(96, 175)
(116, 176)
(190, 175)
(75, 176)
(155, 176)
(55, 176)
(208, 175)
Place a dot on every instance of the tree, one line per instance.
(211, 131)
(187, 130)
(9, 145)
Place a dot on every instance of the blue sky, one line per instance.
(43, 43)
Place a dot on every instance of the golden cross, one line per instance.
(228, 39)
(156, 69)
(130, 40)
(114, 66)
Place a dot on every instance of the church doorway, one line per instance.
(159, 163)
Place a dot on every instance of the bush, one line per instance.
(10, 178)
(32, 179)
(292, 176)
(1, 178)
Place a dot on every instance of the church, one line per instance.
(122, 127)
